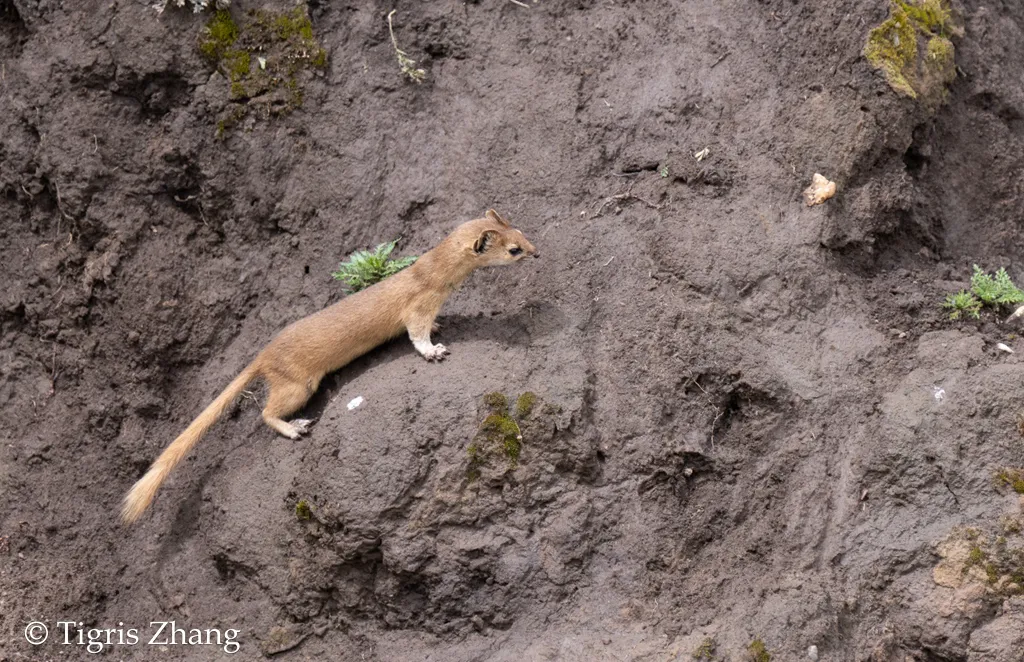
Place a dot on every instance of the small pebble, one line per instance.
(1004, 348)
(812, 653)
(820, 190)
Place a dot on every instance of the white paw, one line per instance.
(301, 425)
(436, 353)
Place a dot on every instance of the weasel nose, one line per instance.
(536, 253)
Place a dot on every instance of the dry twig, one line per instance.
(718, 412)
(406, 64)
(628, 195)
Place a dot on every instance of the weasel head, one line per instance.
(492, 241)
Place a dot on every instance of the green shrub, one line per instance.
(962, 303)
(986, 290)
(364, 268)
(995, 290)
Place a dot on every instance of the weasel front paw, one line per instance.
(435, 353)
(301, 425)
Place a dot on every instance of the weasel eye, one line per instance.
(515, 250)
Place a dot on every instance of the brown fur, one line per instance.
(298, 358)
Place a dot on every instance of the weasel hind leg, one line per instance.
(286, 397)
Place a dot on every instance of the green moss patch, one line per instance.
(504, 429)
(892, 48)
(913, 48)
(496, 401)
(266, 56)
(932, 15)
(706, 650)
(758, 651)
(994, 561)
(219, 36)
(303, 510)
(940, 52)
(1014, 478)
(499, 440)
(525, 404)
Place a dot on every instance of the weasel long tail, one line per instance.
(142, 493)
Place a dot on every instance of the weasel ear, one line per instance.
(494, 216)
(483, 241)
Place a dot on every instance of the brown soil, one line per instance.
(737, 434)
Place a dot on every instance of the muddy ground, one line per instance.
(738, 435)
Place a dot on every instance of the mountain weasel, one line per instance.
(298, 358)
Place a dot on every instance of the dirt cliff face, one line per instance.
(754, 422)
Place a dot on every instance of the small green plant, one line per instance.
(758, 651)
(962, 303)
(406, 64)
(663, 171)
(995, 290)
(302, 510)
(986, 290)
(364, 268)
